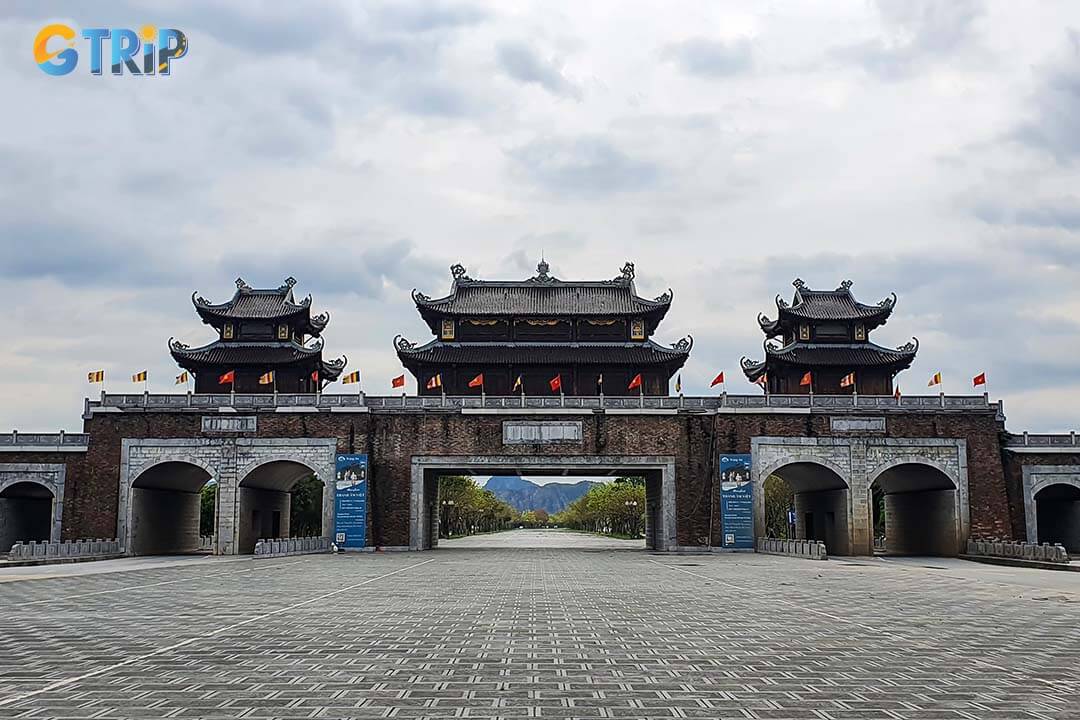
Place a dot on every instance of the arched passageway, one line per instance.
(265, 502)
(1057, 512)
(822, 499)
(26, 513)
(916, 506)
(165, 509)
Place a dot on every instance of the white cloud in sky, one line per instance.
(926, 148)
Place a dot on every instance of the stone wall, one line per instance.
(391, 440)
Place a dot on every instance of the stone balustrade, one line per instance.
(361, 402)
(15, 440)
(809, 549)
(206, 542)
(1042, 440)
(71, 549)
(1018, 550)
(280, 547)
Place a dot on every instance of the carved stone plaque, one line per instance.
(525, 432)
(857, 424)
(229, 423)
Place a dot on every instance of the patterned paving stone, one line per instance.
(543, 632)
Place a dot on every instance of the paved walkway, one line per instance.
(543, 538)
(543, 633)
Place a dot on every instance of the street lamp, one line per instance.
(448, 505)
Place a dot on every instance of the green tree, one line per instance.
(779, 498)
(465, 508)
(305, 508)
(207, 502)
(614, 509)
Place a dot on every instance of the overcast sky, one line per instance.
(924, 148)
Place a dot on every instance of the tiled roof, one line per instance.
(261, 304)
(838, 304)
(543, 295)
(247, 354)
(839, 355)
(635, 354)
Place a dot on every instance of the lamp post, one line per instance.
(448, 505)
(631, 509)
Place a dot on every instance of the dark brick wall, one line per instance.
(1014, 474)
(77, 491)
(390, 440)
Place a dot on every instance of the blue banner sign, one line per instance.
(350, 501)
(736, 501)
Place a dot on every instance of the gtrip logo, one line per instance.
(146, 52)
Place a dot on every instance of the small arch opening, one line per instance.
(915, 511)
(279, 499)
(26, 514)
(1057, 514)
(167, 509)
(821, 501)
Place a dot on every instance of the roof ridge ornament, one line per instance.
(457, 270)
(684, 344)
(290, 283)
(402, 344)
(845, 285)
(242, 286)
(798, 283)
(911, 347)
(665, 297)
(627, 273)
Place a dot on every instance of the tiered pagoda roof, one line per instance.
(828, 330)
(277, 304)
(259, 330)
(585, 329)
(838, 304)
(542, 295)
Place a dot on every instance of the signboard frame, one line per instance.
(736, 502)
(350, 501)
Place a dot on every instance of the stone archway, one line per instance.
(228, 460)
(1052, 504)
(859, 461)
(922, 507)
(164, 505)
(31, 502)
(264, 499)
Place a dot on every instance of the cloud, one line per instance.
(1056, 105)
(585, 165)
(522, 63)
(708, 58)
(914, 33)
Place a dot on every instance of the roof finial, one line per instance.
(542, 268)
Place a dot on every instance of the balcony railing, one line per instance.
(43, 441)
(1042, 440)
(722, 402)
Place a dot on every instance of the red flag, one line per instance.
(228, 378)
(807, 379)
(762, 380)
(477, 381)
(718, 380)
(896, 395)
(556, 383)
(636, 382)
(315, 376)
(979, 379)
(397, 382)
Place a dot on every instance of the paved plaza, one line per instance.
(539, 632)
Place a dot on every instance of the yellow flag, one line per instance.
(267, 378)
(936, 380)
(95, 376)
(139, 377)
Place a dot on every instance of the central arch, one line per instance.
(165, 507)
(920, 504)
(265, 500)
(822, 501)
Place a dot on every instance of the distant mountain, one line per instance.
(525, 495)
